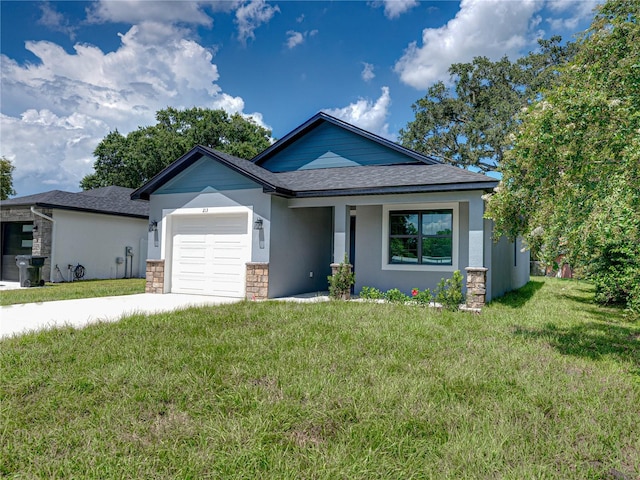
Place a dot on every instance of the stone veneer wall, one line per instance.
(42, 238)
(155, 276)
(476, 287)
(257, 282)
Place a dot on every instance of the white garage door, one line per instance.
(210, 253)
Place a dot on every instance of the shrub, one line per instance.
(449, 292)
(396, 296)
(371, 293)
(340, 282)
(424, 297)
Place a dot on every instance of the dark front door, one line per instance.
(17, 239)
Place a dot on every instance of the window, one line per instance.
(421, 237)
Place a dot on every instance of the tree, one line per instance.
(571, 184)
(472, 125)
(131, 160)
(6, 178)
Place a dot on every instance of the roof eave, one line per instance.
(90, 210)
(457, 187)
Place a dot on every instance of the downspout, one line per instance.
(53, 240)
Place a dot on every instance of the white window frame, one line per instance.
(386, 209)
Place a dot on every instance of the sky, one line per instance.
(74, 71)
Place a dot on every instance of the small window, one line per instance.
(423, 237)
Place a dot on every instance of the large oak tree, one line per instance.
(131, 160)
(470, 124)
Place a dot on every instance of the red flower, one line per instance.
(415, 292)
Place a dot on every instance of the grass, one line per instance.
(542, 384)
(68, 291)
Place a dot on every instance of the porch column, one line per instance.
(476, 232)
(340, 232)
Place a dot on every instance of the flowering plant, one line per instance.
(423, 297)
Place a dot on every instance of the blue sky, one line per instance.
(73, 71)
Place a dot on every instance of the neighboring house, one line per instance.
(272, 226)
(90, 228)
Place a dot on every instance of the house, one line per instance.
(91, 228)
(273, 226)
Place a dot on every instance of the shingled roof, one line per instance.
(325, 182)
(383, 179)
(106, 200)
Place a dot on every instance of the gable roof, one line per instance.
(261, 176)
(324, 182)
(321, 118)
(420, 174)
(106, 200)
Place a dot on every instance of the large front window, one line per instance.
(421, 237)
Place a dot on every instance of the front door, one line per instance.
(17, 239)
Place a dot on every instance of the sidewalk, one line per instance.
(17, 319)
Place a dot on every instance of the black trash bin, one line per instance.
(30, 267)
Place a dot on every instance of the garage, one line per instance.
(209, 254)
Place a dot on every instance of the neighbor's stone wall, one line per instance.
(42, 237)
(16, 214)
(155, 276)
(257, 283)
(476, 287)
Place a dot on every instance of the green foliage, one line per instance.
(473, 125)
(396, 296)
(6, 178)
(131, 160)
(571, 184)
(538, 387)
(341, 281)
(422, 297)
(371, 293)
(449, 291)
(73, 290)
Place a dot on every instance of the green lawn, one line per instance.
(542, 384)
(68, 291)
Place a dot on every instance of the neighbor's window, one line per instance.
(423, 237)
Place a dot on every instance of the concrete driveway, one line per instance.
(17, 319)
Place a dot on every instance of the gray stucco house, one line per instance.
(95, 228)
(273, 226)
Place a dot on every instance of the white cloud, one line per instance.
(395, 8)
(55, 21)
(298, 38)
(55, 112)
(295, 39)
(368, 115)
(492, 28)
(300, 19)
(50, 150)
(135, 11)
(367, 72)
(251, 15)
(578, 11)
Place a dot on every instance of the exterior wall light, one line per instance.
(258, 224)
(153, 227)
